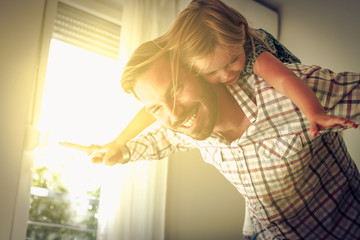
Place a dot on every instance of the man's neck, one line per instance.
(232, 121)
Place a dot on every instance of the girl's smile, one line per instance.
(221, 66)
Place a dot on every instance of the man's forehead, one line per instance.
(155, 81)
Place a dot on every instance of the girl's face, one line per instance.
(221, 66)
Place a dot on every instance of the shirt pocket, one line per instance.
(282, 166)
(282, 147)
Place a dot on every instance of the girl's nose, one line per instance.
(225, 75)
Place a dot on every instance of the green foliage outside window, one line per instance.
(56, 215)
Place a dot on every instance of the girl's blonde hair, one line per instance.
(206, 24)
(139, 62)
(199, 28)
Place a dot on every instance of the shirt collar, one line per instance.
(245, 96)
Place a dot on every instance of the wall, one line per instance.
(20, 32)
(324, 33)
(201, 203)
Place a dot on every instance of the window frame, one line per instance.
(100, 9)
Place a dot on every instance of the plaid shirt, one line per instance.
(296, 186)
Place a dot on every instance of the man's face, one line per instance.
(193, 111)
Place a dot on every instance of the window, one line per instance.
(130, 197)
(80, 102)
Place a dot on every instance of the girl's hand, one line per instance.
(322, 121)
(108, 154)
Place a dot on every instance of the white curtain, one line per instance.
(145, 20)
(132, 201)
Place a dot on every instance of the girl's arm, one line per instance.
(139, 123)
(110, 153)
(284, 81)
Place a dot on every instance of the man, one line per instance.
(296, 186)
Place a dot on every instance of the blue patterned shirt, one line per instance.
(278, 50)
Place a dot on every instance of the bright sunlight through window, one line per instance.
(82, 103)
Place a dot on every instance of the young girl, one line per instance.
(216, 42)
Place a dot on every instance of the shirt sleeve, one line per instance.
(251, 54)
(277, 49)
(158, 144)
(338, 93)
